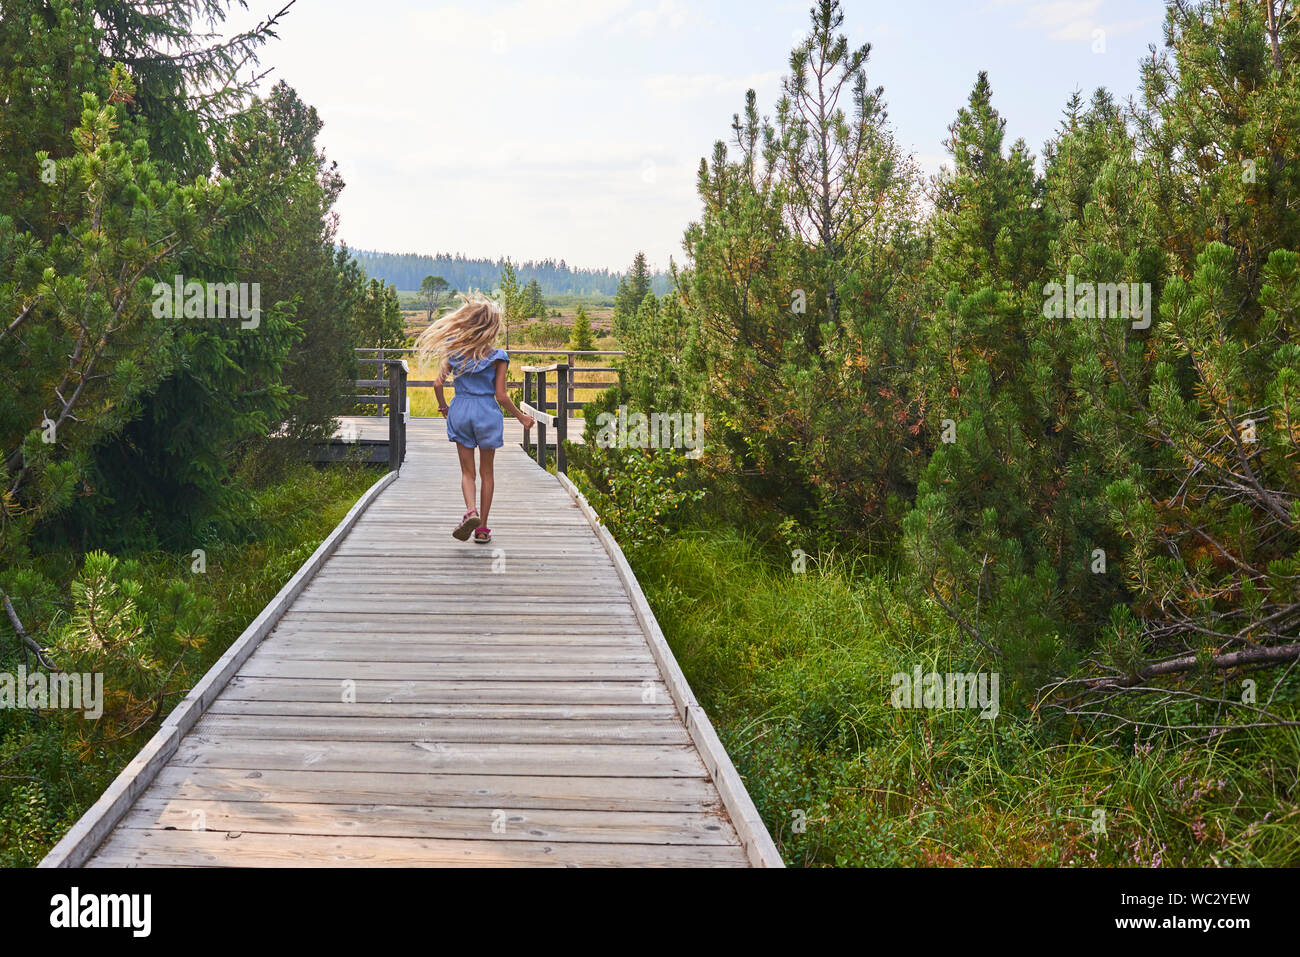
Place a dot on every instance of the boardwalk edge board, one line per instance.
(749, 826)
(94, 826)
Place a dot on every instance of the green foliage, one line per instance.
(377, 316)
(532, 303)
(795, 672)
(122, 421)
(632, 289)
(545, 335)
(433, 289)
(580, 339)
(511, 297)
(152, 626)
(638, 493)
(407, 270)
(1083, 492)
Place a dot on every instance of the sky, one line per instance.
(574, 129)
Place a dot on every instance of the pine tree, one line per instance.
(511, 298)
(632, 289)
(1194, 419)
(377, 320)
(534, 304)
(821, 148)
(581, 339)
(992, 473)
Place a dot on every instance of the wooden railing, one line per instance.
(379, 356)
(535, 404)
(399, 408)
(394, 398)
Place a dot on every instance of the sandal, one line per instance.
(469, 521)
(482, 534)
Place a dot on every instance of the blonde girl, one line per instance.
(463, 343)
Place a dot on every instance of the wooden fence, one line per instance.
(380, 356)
(536, 396)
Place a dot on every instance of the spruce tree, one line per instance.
(581, 339)
(973, 535)
(632, 289)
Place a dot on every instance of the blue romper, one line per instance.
(474, 419)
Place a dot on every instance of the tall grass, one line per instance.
(795, 669)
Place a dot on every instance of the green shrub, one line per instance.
(794, 671)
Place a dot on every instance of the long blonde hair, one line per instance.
(469, 332)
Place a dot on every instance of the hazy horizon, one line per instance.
(541, 129)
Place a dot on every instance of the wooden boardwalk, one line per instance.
(417, 701)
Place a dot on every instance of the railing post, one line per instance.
(540, 405)
(562, 388)
(405, 407)
(573, 364)
(396, 414)
(527, 398)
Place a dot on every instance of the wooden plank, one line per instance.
(567, 760)
(402, 530)
(462, 624)
(485, 605)
(508, 587)
(269, 666)
(436, 790)
(377, 639)
(464, 710)
(490, 691)
(419, 651)
(146, 848)
(449, 730)
(444, 823)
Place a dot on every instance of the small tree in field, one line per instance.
(581, 340)
(510, 297)
(433, 289)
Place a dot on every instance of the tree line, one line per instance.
(407, 271)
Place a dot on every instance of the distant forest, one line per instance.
(406, 270)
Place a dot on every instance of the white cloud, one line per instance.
(676, 87)
(671, 14)
(527, 23)
(1069, 21)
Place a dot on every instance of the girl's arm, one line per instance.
(438, 383)
(504, 397)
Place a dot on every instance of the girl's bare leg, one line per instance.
(466, 456)
(486, 460)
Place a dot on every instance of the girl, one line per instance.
(464, 342)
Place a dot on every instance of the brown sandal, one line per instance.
(469, 521)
